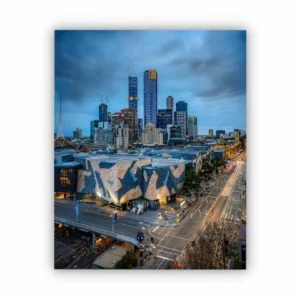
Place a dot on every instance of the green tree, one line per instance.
(128, 261)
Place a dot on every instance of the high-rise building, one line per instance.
(182, 106)
(174, 132)
(170, 105)
(150, 97)
(121, 136)
(164, 118)
(103, 112)
(140, 128)
(219, 132)
(109, 117)
(152, 135)
(103, 136)
(192, 127)
(93, 124)
(77, 134)
(210, 132)
(133, 98)
(128, 117)
(181, 120)
(133, 92)
(170, 102)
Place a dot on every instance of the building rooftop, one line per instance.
(109, 258)
(166, 162)
(68, 164)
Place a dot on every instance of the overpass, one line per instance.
(97, 230)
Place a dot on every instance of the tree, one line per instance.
(213, 247)
(128, 261)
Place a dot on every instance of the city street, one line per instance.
(222, 203)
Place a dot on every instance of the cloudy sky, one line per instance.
(207, 69)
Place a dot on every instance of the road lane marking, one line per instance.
(172, 249)
(155, 228)
(163, 257)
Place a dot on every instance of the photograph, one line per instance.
(150, 149)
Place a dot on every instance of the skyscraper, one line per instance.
(150, 97)
(192, 127)
(170, 105)
(133, 93)
(164, 118)
(126, 116)
(133, 98)
(181, 120)
(103, 112)
(182, 106)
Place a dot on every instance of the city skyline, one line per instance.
(206, 69)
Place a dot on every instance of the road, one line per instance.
(99, 218)
(223, 202)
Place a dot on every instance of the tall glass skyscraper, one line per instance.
(133, 93)
(170, 105)
(182, 106)
(103, 112)
(164, 118)
(150, 97)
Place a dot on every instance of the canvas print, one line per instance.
(150, 149)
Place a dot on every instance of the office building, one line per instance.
(181, 120)
(170, 105)
(103, 136)
(210, 133)
(219, 132)
(152, 135)
(103, 112)
(121, 136)
(182, 106)
(109, 117)
(192, 127)
(150, 97)
(164, 118)
(128, 117)
(93, 124)
(133, 93)
(174, 132)
(133, 98)
(77, 134)
(140, 128)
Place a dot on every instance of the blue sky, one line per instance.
(207, 69)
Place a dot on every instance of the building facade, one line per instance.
(170, 105)
(77, 133)
(121, 136)
(174, 132)
(93, 124)
(219, 132)
(181, 106)
(192, 127)
(150, 97)
(103, 112)
(133, 93)
(164, 118)
(128, 117)
(103, 136)
(152, 135)
(210, 132)
(181, 120)
(140, 128)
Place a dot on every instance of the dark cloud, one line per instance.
(219, 68)
(195, 66)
